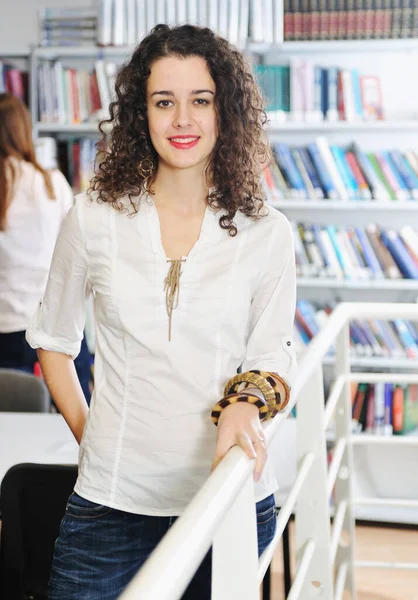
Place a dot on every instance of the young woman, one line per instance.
(33, 203)
(192, 278)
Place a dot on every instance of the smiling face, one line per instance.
(181, 111)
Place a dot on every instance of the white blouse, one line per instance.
(27, 244)
(149, 440)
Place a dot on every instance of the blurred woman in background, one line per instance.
(33, 203)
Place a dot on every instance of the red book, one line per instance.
(341, 107)
(94, 92)
(16, 84)
(76, 166)
(323, 20)
(360, 19)
(74, 93)
(333, 20)
(357, 172)
(342, 21)
(397, 409)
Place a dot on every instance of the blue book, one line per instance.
(332, 78)
(399, 162)
(369, 335)
(369, 255)
(402, 184)
(411, 171)
(305, 337)
(308, 313)
(360, 340)
(317, 96)
(406, 338)
(348, 178)
(358, 104)
(323, 173)
(412, 330)
(387, 426)
(332, 232)
(385, 334)
(288, 166)
(316, 232)
(360, 257)
(310, 169)
(400, 254)
(324, 92)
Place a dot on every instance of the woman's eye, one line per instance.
(163, 103)
(201, 101)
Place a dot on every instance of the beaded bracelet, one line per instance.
(234, 398)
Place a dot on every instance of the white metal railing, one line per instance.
(222, 514)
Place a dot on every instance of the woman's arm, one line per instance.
(63, 384)
(269, 346)
(56, 330)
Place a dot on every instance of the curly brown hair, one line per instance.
(241, 149)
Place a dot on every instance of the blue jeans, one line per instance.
(100, 549)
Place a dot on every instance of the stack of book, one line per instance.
(72, 96)
(126, 22)
(13, 81)
(354, 253)
(368, 338)
(326, 171)
(304, 91)
(350, 19)
(384, 408)
(68, 26)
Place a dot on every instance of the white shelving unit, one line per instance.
(337, 46)
(376, 363)
(324, 127)
(74, 128)
(378, 285)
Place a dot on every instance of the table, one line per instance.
(35, 438)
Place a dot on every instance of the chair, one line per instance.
(32, 500)
(22, 392)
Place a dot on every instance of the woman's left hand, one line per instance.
(239, 425)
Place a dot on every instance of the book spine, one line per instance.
(310, 169)
(400, 254)
(369, 254)
(400, 165)
(315, 19)
(379, 408)
(323, 173)
(406, 339)
(325, 151)
(332, 94)
(387, 425)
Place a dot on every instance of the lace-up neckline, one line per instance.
(172, 289)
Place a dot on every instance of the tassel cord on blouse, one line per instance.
(172, 290)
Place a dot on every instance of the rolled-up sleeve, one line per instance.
(270, 345)
(59, 321)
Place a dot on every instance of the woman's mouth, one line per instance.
(184, 142)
